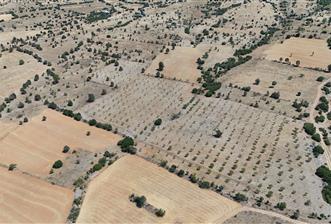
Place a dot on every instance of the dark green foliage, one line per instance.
(281, 206)
(96, 16)
(181, 173)
(319, 119)
(317, 150)
(240, 197)
(90, 98)
(97, 167)
(92, 122)
(140, 201)
(126, 145)
(66, 149)
(172, 169)
(324, 173)
(309, 128)
(326, 192)
(160, 213)
(193, 178)
(55, 76)
(58, 164)
(158, 122)
(320, 79)
(275, 95)
(316, 137)
(204, 184)
(52, 106)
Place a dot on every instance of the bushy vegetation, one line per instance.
(325, 174)
(127, 144)
(58, 164)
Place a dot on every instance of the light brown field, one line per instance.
(35, 146)
(179, 63)
(25, 199)
(5, 17)
(311, 53)
(107, 198)
(12, 78)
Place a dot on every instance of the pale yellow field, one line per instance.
(311, 53)
(12, 78)
(25, 199)
(179, 63)
(107, 197)
(35, 146)
(5, 17)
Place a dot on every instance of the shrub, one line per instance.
(92, 122)
(316, 137)
(204, 184)
(281, 206)
(319, 119)
(160, 213)
(240, 197)
(158, 122)
(140, 201)
(58, 164)
(97, 167)
(275, 95)
(126, 142)
(324, 173)
(309, 128)
(90, 98)
(320, 79)
(21, 62)
(317, 150)
(66, 149)
(326, 193)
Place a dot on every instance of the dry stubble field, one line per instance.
(107, 198)
(312, 53)
(35, 146)
(25, 199)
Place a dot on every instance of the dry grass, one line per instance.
(25, 199)
(36, 145)
(179, 63)
(12, 78)
(311, 53)
(107, 198)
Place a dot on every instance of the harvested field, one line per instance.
(107, 198)
(179, 64)
(311, 53)
(14, 75)
(35, 146)
(28, 199)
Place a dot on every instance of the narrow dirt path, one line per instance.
(312, 114)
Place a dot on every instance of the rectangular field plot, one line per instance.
(25, 199)
(107, 198)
